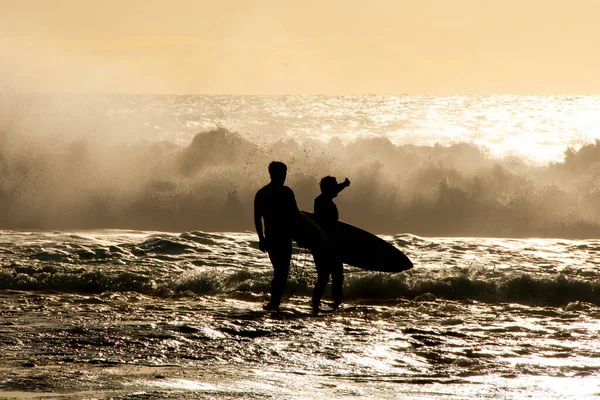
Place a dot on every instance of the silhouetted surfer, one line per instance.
(276, 204)
(326, 215)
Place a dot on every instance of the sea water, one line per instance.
(129, 268)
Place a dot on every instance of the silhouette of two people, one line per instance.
(276, 204)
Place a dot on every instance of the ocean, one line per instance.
(129, 267)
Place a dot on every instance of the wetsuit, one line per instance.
(326, 214)
(276, 204)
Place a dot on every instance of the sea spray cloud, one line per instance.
(89, 172)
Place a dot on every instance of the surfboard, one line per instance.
(363, 249)
(306, 233)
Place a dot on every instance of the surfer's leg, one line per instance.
(322, 279)
(337, 283)
(280, 254)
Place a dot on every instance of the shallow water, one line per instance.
(158, 315)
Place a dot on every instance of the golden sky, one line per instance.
(301, 47)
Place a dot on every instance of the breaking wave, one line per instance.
(68, 181)
(359, 286)
(545, 272)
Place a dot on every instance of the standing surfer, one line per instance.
(276, 204)
(326, 215)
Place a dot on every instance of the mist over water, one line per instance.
(190, 163)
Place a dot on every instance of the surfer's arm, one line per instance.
(343, 185)
(293, 210)
(292, 199)
(318, 207)
(258, 222)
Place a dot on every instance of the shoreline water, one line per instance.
(210, 348)
(122, 314)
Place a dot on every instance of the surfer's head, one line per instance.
(278, 172)
(329, 186)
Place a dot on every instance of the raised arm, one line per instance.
(343, 185)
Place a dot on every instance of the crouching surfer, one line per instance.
(276, 204)
(327, 263)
